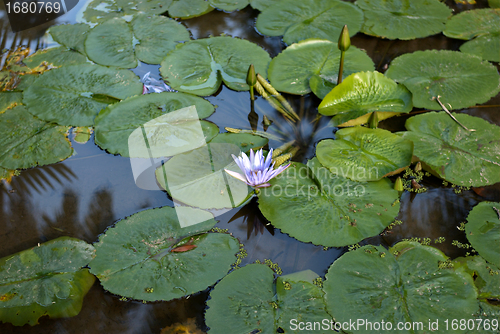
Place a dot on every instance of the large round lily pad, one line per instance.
(483, 231)
(248, 301)
(54, 57)
(462, 80)
(299, 20)
(170, 122)
(200, 66)
(71, 36)
(73, 95)
(197, 178)
(404, 284)
(481, 24)
(186, 9)
(149, 256)
(27, 141)
(292, 69)
(245, 141)
(362, 93)
(157, 36)
(45, 280)
(148, 38)
(455, 154)
(403, 19)
(363, 154)
(313, 205)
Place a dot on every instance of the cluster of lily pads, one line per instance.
(338, 198)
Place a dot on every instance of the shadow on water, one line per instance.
(87, 193)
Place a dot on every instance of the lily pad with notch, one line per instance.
(291, 70)
(483, 231)
(28, 141)
(403, 19)
(147, 38)
(466, 158)
(460, 79)
(360, 94)
(407, 283)
(48, 280)
(313, 205)
(71, 36)
(73, 95)
(299, 20)
(197, 178)
(170, 126)
(248, 300)
(481, 24)
(199, 67)
(364, 154)
(149, 256)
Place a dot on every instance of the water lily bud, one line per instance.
(399, 184)
(344, 40)
(418, 167)
(373, 120)
(267, 121)
(251, 77)
(415, 185)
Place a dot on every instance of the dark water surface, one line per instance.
(83, 195)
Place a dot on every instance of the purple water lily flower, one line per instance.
(258, 171)
(152, 85)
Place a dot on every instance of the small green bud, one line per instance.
(399, 184)
(267, 121)
(418, 167)
(251, 77)
(344, 40)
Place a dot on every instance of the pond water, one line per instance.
(85, 194)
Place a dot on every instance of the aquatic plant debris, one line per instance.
(257, 170)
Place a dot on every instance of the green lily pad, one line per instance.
(262, 4)
(170, 126)
(45, 280)
(362, 93)
(248, 301)
(229, 5)
(455, 154)
(460, 79)
(481, 24)
(186, 9)
(292, 69)
(6, 174)
(403, 19)
(198, 67)
(486, 46)
(110, 43)
(55, 57)
(313, 205)
(299, 20)
(147, 38)
(197, 178)
(157, 36)
(405, 284)
(27, 141)
(141, 256)
(363, 154)
(73, 95)
(99, 11)
(245, 141)
(71, 36)
(486, 279)
(483, 231)
(9, 100)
